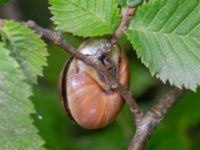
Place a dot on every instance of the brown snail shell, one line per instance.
(89, 101)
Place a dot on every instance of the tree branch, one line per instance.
(153, 117)
(127, 14)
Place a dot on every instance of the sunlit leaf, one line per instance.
(166, 36)
(27, 48)
(85, 17)
(17, 131)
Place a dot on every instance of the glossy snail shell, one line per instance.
(85, 96)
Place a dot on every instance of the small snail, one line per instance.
(85, 95)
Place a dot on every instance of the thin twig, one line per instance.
(153, 117)
(127, 14)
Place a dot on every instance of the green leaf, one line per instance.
(27, 48)
(134, 3)
(166, 36)
(122, 3)
(85, 17)
(17, 131)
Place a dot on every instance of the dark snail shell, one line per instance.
(85, 96)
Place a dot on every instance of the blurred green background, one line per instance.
(180, 130)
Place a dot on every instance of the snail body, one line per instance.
(85, 95)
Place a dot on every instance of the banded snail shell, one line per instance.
(89, 101)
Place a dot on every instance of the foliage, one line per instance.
(86, 17)
(134, 3)
(122, 3)
(27, 48)
(22, 56)
(16, 126)
(165, 34)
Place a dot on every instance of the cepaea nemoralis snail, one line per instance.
(85, 95)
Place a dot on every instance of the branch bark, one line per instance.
(153, 117)
(127, 14)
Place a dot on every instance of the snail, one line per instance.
(85, 94)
